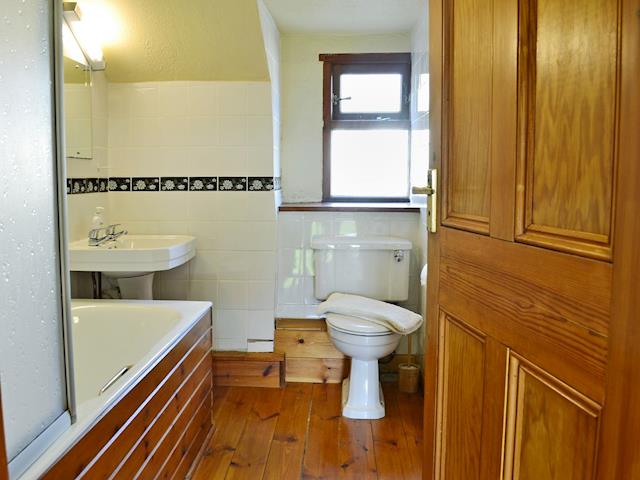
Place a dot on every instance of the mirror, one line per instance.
(77, 98)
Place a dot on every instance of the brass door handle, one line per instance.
(422, 190)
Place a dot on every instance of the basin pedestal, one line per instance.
(136, 288)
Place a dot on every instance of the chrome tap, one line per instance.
(96, 238)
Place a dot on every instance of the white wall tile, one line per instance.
(203, 130)
(261, 295)
(232, 98)
(144, 101)
(261, 324)
(232, 130)
(208, 129)
(260, 130)
(172, 99)
(233, 294)
(231, 324)
(259, 98)
(202, 98)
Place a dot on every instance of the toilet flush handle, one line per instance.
(398, 255)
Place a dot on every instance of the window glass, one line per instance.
(369, 163)
(371, 93)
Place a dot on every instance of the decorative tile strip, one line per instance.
(260, 184)
(174, 184)
(203, 184)
(145, 184)
(119, 184)
(232, 184)
(78, 185)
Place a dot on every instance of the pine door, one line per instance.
(526, 125)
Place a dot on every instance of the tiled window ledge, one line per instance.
(349, 207)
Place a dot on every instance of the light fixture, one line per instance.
(84, 36)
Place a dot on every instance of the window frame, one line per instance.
(333, 66)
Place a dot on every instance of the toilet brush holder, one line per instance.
(408, 377)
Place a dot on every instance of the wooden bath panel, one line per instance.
(158, 427)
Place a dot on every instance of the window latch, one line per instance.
(337, 99)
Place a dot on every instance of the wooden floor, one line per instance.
(298, 432)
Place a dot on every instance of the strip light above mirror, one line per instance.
(86, 39)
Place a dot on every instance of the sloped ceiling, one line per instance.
(161, 40)
(345, 16)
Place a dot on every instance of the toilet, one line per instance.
(376, 267)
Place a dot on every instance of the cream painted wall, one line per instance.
(162, 40)
(302, 103)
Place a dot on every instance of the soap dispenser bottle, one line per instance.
(97, 221)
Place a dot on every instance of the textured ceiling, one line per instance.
(159, 40)
(345, 16)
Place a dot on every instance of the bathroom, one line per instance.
(300, 239)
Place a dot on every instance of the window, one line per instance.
(366, 127)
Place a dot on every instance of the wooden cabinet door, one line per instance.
(527, 129)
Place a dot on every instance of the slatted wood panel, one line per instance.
(306, 437)
(567, 149)
(468, 118)
(158, 427)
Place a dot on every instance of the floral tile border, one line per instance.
(260, 184)
(172, 184)
(119, 184)
(232, 184)
(203, 184)
(145, 184)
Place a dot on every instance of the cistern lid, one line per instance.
(373, 242)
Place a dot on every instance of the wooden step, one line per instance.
(310, 356)
(248, 369)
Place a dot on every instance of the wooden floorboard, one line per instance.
(390, 442)
(289, 439)
(299, 433)
(250, 457)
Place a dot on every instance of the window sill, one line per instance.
(349, 207)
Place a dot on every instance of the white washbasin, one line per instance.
(132, 254)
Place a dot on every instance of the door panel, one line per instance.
(461, 391)
(552, 429)
(469, 31)
(549, 306)
(567, 97)
(471, 395)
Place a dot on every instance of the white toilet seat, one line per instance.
(356, 326)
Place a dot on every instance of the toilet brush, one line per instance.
(408, 373)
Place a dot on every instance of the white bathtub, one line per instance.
(107, 336)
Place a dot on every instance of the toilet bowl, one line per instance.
(365, 343)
